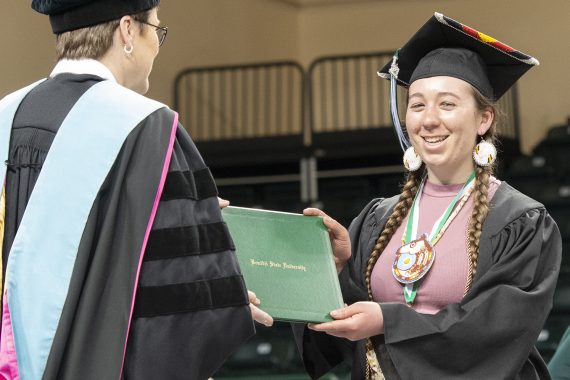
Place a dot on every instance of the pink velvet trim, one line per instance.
(149, 226)
(8, 359)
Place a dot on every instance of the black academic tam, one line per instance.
(67, 15)
(445, 47)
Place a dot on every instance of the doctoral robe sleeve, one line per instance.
(191, 308)
(492, 331)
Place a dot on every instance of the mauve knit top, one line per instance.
(446, 280)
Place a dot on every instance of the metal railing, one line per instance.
(345, 93)
(337, 93)
(241, 101)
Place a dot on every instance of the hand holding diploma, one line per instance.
(223, 203)
(340, 241)
(355, 322)
(359, 320)
(258, 314)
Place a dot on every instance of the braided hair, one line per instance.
(405, 201)
(480, 192)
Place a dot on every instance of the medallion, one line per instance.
(413, 260)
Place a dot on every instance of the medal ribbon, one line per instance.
(410, 290)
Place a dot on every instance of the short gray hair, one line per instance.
(92, 41)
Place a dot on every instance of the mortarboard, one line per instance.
(66, 15)
(445, 47)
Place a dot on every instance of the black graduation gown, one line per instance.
(490, 334)
(191, 307)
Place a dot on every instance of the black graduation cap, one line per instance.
(445, 47)
(66, 15)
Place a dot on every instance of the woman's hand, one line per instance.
(340, 240)
(223, 203)
(355, 322)
(258, 314)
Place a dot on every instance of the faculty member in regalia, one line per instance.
(454, 277)
(116, 262)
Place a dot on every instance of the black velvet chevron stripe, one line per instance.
(188, 241)
(154, 301)
(189, 185)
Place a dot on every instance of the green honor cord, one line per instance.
(411, 290)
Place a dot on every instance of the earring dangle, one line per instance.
(128, 50)
(412, 160)
(484, 153)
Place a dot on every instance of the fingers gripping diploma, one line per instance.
(258, 314)
(340, 241)
(355, 322)
(223, 202)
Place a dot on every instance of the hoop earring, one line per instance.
(484, 153)
(412, 160)
(128, 50)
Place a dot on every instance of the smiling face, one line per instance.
(443, 122)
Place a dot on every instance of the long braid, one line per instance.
(400, 211)
(481, 191)
(480, 210)
(409, 191)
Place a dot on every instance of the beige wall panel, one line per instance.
(27, 46)
(538, 29)
(216, 32)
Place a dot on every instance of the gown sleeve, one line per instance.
(192, 309)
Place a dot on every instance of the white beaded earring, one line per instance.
(412, 160)
(484, 153)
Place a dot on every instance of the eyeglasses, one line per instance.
(161, 31)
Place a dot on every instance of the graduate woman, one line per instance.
(454, 277)
(117, 262)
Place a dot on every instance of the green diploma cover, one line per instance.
(286, 259)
